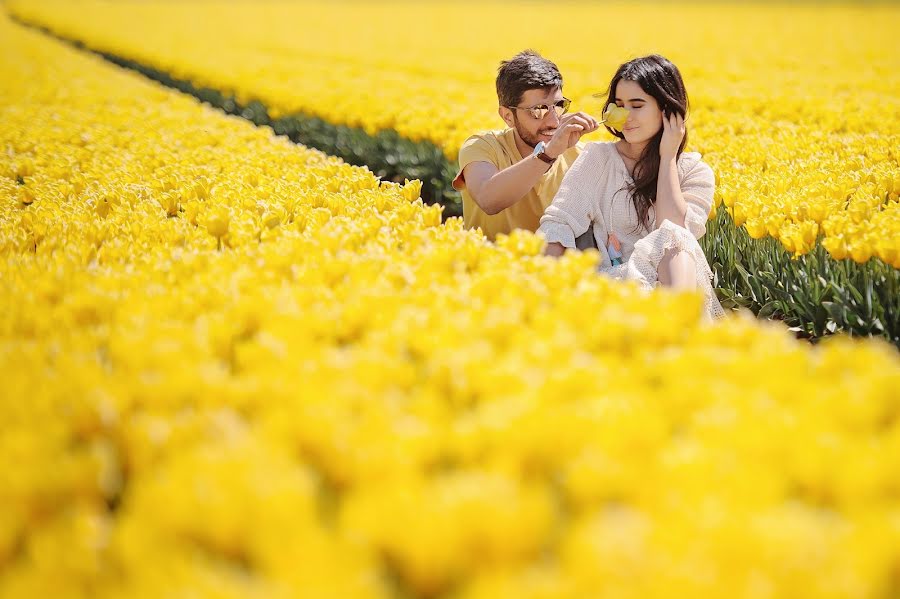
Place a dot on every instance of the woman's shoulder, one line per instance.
(597, 151)
(599, 146)
(691, 163)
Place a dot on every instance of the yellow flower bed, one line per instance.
(235, 367)
(798, 113)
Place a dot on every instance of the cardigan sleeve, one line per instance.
(572, 211)
(697, 187)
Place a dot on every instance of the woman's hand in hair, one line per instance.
(673, 133)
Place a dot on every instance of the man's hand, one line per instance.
(673, 133)
(571, 128)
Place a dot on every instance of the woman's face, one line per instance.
(644, 115)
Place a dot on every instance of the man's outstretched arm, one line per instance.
(495, 190)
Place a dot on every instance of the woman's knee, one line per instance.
(677, 269)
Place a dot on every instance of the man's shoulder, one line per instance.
(486, 139)
(493, 134)
(489, 146)
(481, 147)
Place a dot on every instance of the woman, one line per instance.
(641, 194)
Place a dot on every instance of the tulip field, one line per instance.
(232, 365)
(801, 126)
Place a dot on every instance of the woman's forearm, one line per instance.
(555, 249)
(670, 204)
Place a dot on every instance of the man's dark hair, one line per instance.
(524, 71)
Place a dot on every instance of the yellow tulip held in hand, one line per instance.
(615, 116)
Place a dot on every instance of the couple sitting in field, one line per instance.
(641, 201)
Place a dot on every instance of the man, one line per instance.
(507, 178)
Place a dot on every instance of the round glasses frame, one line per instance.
(540, 111)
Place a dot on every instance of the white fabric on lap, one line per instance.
(643, 266)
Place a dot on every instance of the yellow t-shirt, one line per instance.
(499, 148)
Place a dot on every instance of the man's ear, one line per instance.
(507, 115)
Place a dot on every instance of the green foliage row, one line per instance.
(814, 294)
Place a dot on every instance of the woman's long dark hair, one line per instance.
(661, 79)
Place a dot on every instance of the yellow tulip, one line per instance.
(412, 190)
(615, 116)
(860, 252)
(217, 223)
(26, 196)
(738, 214)
(809, 232)
(170, 204)
(756, 228)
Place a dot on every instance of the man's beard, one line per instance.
(529, 139)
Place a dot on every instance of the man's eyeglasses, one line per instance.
(541, 110)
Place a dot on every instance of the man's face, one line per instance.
(530, 129)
